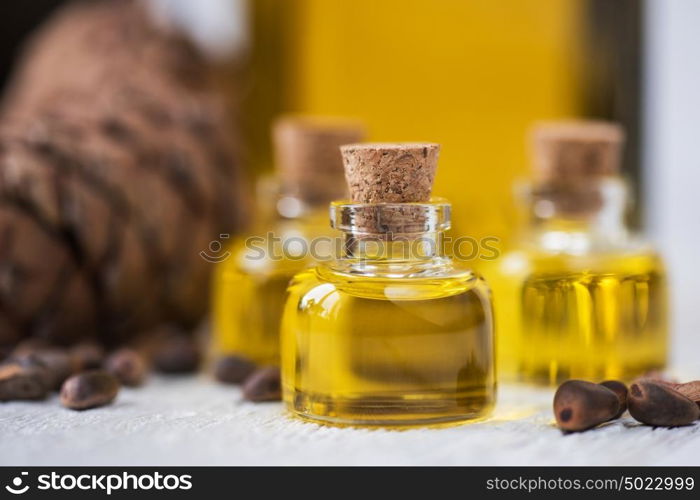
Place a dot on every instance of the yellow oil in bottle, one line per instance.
(594, 317)
(391, 333)
(292, 220)
(580, 295)
(388, 351)
(250, 287)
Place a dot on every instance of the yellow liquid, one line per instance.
(388, 352)
(593, 317)
(249, 294)
(470, 74)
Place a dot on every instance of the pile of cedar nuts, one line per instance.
(656, 401)
(87, 376)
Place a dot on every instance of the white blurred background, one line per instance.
(671, 162)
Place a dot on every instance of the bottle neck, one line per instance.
(577, 218)
(276, 204)
(394, 248)
(391, 239)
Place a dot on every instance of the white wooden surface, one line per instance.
(194, 421)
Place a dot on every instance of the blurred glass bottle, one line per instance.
(579, 296)
(250, 285)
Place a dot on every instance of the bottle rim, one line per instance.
(396, 218)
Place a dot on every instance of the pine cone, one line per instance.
(117, 167)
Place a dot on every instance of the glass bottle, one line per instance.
(580, 296)
(250, 283)
(392, 332)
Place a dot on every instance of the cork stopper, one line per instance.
(571, 159)
(390, 173)
(307, 155)
(385, 175)
(576, 151)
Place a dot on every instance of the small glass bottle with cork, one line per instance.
(250, 284)
(580, 296)
(392, 333)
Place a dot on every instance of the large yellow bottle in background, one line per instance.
(470, 74)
